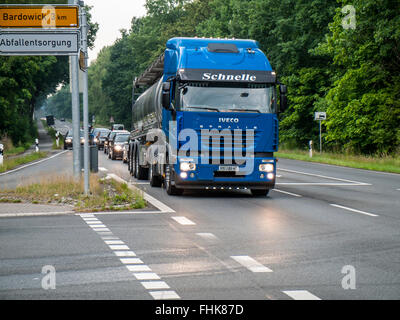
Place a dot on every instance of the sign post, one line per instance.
(320, 116)
(46, 30)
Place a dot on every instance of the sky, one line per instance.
(112, 16)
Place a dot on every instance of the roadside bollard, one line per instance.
(310, 147)
(37, 145)
(58, 138)
(1, 154)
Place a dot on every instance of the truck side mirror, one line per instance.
(283, 98)
(165, 100)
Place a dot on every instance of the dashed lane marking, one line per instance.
(288, 193)
(354, 210)
(183, 221)
(135, 265)
(251, 264)
(301, 295)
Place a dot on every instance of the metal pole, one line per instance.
(75, 110)
(85, 101)
(320, 138)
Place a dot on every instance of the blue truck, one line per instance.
(207, 118)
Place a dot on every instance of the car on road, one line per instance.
(62, 119)
(99, 136)
(68, 140)
(116, 145)
(117, 127)
(109, 137)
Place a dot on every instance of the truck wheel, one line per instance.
(259, 192)
(141, 173)
(171, 190)
(155, 181)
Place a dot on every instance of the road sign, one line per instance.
(39, 43)
(34, 16)
(320, 116)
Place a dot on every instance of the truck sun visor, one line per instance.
(222, 47)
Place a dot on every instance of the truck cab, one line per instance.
(216, 104)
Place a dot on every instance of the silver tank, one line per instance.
(147, 110)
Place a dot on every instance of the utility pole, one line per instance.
(75, 110)
(85, 100)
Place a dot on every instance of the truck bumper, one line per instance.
(209, 177)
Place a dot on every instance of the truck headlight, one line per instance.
(118, 148)
(68, 140)
(187, 166)
(266, 167)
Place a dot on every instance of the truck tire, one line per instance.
(171, 190)
(141, 173)
(259, 192)
(155, 181)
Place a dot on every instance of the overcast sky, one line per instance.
(112, 16)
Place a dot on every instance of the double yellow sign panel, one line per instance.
(39, 16)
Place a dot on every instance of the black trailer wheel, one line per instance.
(171, 190)
(130, 162)
(155, 181)
(259, 192)
(141, 173)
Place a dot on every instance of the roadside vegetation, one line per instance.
(9, 164)
(106, 194)
(384, 163)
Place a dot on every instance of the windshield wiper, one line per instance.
(246, 110)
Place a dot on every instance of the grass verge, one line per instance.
(12, 163)
(384, 164)
(106, 194)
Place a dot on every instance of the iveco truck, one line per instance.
(207, 118)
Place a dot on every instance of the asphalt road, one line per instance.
(326, 232)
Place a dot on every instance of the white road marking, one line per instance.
(131, 261)
(118, 247)
(354, 210)
(102, 226)
(289, 193)
(251, 264)
(146, 276)
(86, 215)
(153, 285)
(110, 238)
(103, 169)
(94, 222)
(33, 214)
(158, 204)
(114, 242)
(319, 184)
(326, 177)
(301, 295)
(207, 236)
(125, 254)
(32, 164)
(138, 268)
(183, 221)
(135, 265)
(100, 229)
(164, 295)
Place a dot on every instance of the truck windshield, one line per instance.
(257, 98)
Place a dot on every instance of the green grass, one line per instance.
(105, 194)
(384, 163)
(10, 164)
(17, 150)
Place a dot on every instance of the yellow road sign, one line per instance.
(34, 16)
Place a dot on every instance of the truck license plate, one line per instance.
(228, 168)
